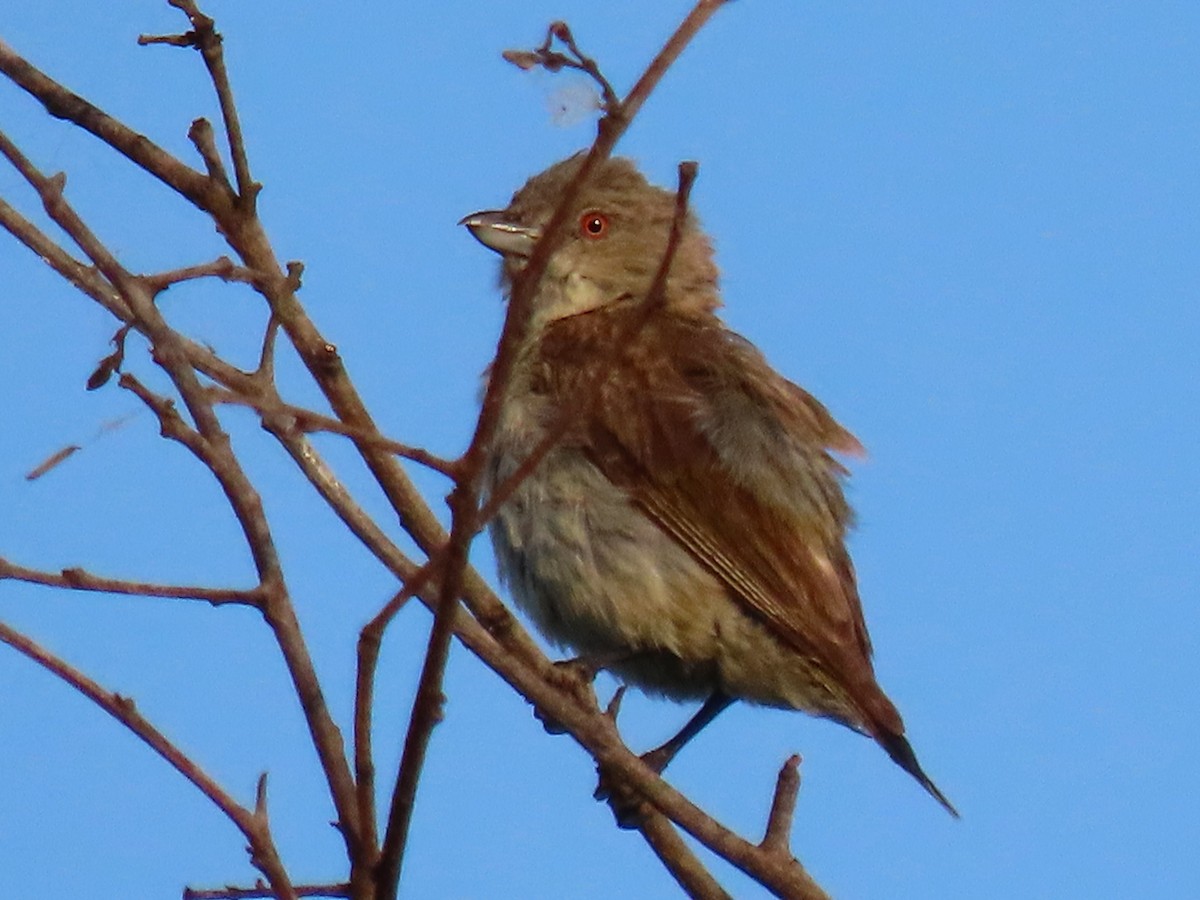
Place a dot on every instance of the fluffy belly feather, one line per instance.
(599, 577)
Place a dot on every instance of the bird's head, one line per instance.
(615, 242)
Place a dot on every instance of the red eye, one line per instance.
(593, 225)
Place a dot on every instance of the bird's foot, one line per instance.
(576, 676)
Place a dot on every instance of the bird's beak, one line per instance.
(496, 231)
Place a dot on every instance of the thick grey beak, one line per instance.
(496, 232)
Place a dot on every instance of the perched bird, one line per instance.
(688, 528)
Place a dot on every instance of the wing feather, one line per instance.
(732, 461)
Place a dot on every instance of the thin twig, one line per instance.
(91, 283)
(650, 304)
(222, 267)
(262, 892)
(266, 356)
(656, 295)
(254, 826)
(308, 420)
(367, 657)
(81, 580)
(84, 278)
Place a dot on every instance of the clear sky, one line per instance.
(969, 228)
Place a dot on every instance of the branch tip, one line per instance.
(777, 839)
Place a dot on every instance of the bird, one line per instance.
(688, 523)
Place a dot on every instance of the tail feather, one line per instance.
(901, 752)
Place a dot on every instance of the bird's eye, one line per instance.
(593, 225)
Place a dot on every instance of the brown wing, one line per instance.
(732, 461)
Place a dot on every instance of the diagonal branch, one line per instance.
(64, 104)
(253, 824)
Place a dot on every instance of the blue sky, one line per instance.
(969, 228)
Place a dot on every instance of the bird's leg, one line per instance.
(626, 803)
(660, 757)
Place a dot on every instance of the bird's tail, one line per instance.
(901, 752)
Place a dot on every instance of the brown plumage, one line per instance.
(691, 522)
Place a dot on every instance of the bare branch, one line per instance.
(369, 642)
(427, 706)
(262, 848)
(84, 278)
(504, 646)
(81, 580)
(64, 104)
(310, 421)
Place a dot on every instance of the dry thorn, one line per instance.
(614, 705)
(266, 358)
(260, 797)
